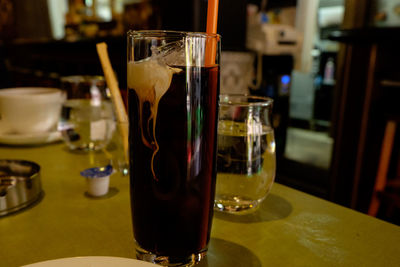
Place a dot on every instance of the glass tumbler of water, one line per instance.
(87, 121)
(246, 153)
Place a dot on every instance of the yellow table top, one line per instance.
(291, 228)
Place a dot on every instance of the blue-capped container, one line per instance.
(98, 180)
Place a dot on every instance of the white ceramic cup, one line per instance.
(29, 110)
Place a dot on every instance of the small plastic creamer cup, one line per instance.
(98, 180)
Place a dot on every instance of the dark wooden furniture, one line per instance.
(368, 89)
(43, 62)
(386, 194)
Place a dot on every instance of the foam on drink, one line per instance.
(150, 79)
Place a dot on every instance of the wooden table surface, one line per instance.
(291, 228)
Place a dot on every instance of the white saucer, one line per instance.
(92, 261)
(30, 139)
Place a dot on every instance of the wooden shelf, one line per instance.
(367, 35)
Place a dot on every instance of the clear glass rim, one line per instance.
(243, 100)
(165, 33)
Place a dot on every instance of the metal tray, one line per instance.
(20, 185)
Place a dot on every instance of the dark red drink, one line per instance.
(173, 163)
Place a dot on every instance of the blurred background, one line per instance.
(331, 66)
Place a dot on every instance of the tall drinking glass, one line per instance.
(173, 80)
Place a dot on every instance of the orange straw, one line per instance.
(212, 16)
(212, 22)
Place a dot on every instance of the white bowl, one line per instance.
(29, 109)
